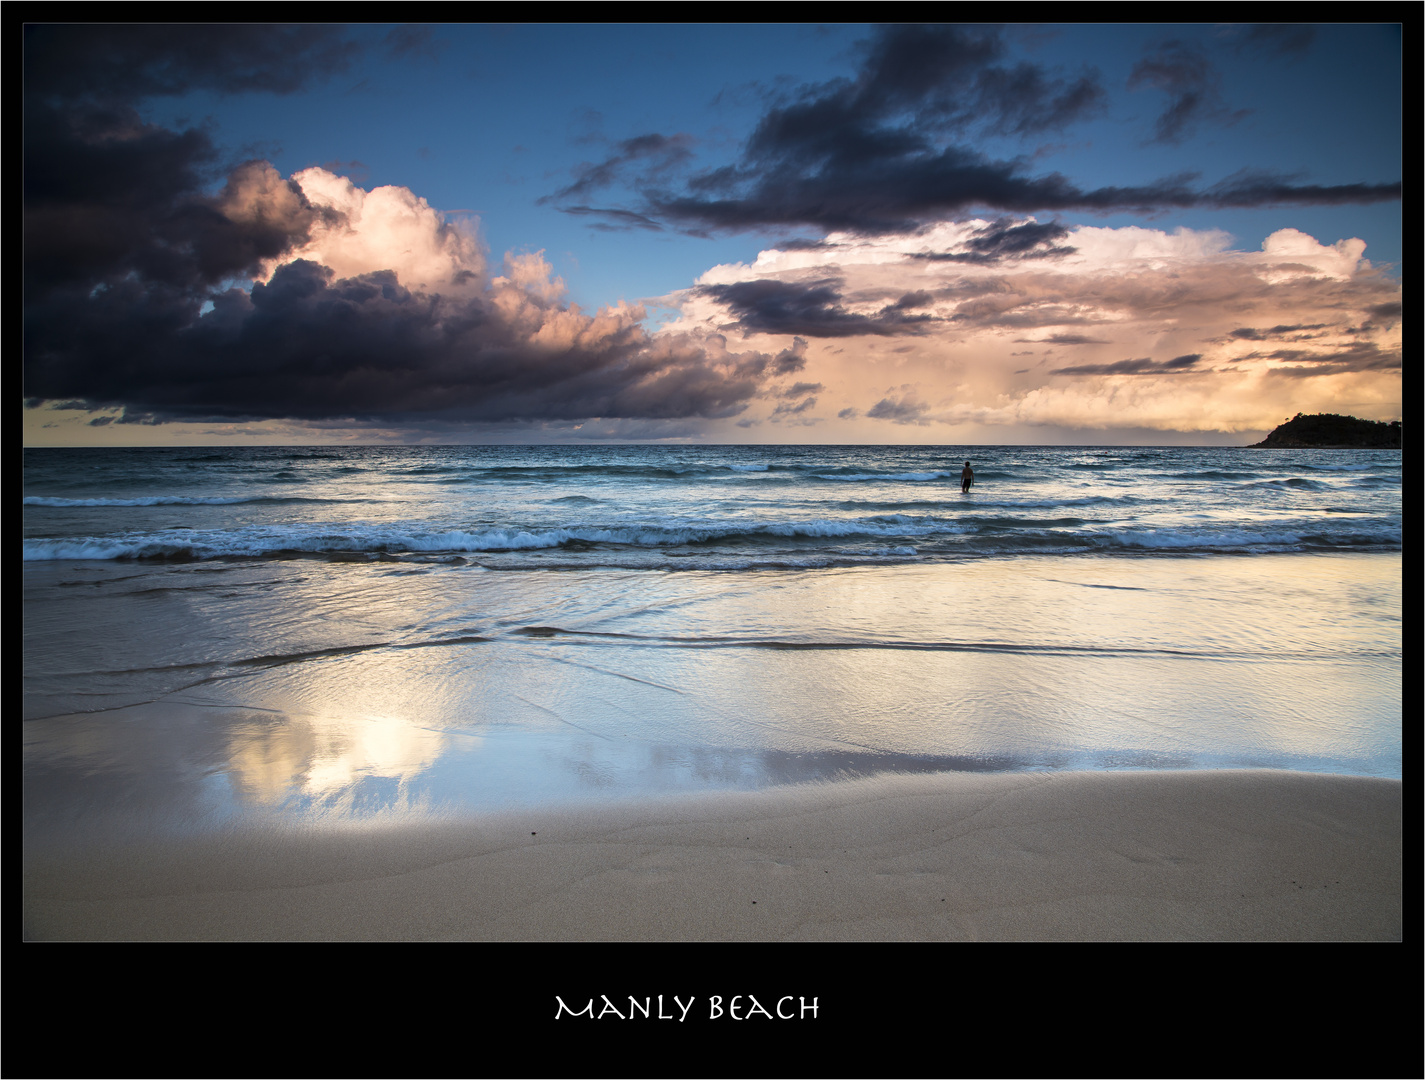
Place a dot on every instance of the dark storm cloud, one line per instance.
(107, 194)
(897, 191)
(940, 78)
(1252, 187)
(812, 308)
(133, 231)
(126, 62)
(1248, 333)
(1182, 70)
(888, 150)
(1143, 366)
(916, 84)
(1361, 356)
(309, 346)
(1004, 240)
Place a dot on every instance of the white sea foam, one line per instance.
(39, 550)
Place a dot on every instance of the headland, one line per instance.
(1328, 431)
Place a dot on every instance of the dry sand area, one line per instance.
(1228, 856)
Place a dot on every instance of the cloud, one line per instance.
(894, 190)
(1388, 313)
(162, 283)
(1064, 339)
(889, 149)
(108, 195)
(785, 411)
(655, 153)
(1188, 309)
(1254, 188)
(916, 83)
(1363, 356)
(1026, 240)
(798, 389)
(367, 305)
(1143, 366)
(415, 42)
(1276, 39)
(791, 359)
(161, 287)
(386, 228)
(906, 409)
(617, 220)
(1182, 70)
(811, 308)
(1249, 333)
(954, 77)
(120, 63)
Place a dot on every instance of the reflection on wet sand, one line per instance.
(322, 758)
(695, 682)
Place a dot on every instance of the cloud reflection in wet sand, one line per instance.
(323, 758)
(707, 681)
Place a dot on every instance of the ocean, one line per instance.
(332, 633)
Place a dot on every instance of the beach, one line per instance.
(1153, 856)
(649, 694)
(642, 484)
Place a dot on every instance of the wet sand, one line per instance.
(1091, 856)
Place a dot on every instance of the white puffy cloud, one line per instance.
(1290, 247)
(387, 228)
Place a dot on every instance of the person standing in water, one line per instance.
(967, 477)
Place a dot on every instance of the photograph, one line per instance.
(712, 483)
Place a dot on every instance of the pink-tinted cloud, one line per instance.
(1129, 328)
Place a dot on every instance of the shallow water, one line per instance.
(186, 686)
(641, 507)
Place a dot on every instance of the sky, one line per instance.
(969, 235)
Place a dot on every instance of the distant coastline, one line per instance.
(1327, 431)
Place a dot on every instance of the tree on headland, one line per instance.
(1330, 431)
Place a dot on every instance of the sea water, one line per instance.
(212, 632)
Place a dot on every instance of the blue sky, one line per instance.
(651, 165)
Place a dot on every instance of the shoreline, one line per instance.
(1232, 855)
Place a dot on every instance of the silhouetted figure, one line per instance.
(967, 477)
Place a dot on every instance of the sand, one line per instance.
(1225, 856)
